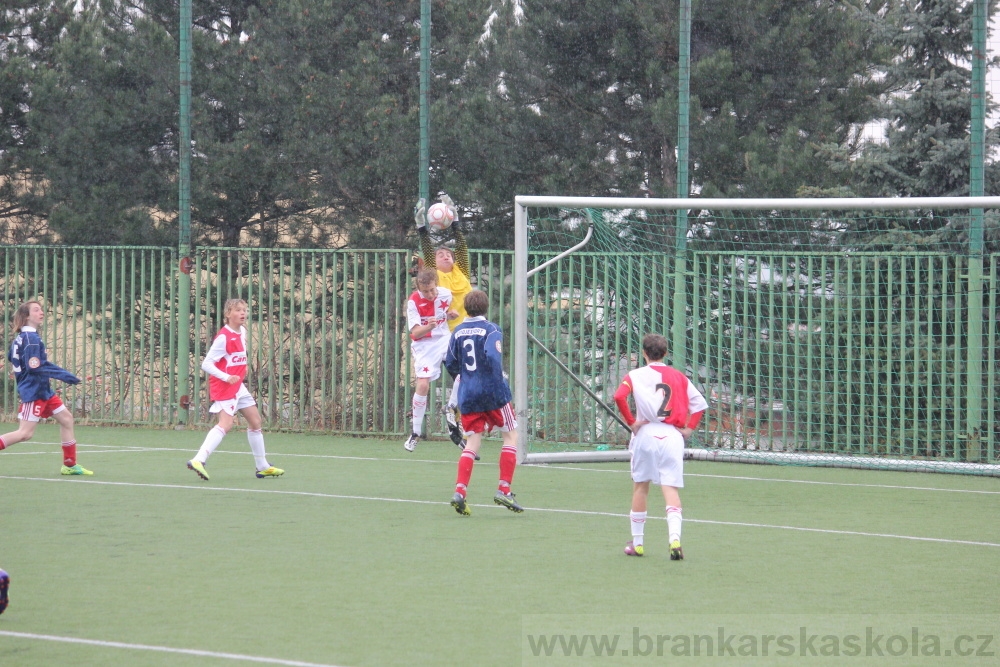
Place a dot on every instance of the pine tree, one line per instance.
(580, 98)
(773, 81)
(307, 122)
(28, 31)
(93, 145)
(927, 107)
(927, 117)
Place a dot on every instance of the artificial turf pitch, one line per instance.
(355, 558)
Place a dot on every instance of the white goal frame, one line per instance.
(521, 275)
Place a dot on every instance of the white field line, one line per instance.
(163, 649)
(543, 466)
(129, 449)
(316, 494)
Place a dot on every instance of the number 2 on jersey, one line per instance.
(663, 411)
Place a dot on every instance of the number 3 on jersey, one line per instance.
(470, 353)
(663, 411)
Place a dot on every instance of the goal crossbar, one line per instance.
(777, 204)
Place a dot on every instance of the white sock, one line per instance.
(419, 409)
(256, 440)
(674, 522)
(453, 397)
(638, 526)
(212, 440)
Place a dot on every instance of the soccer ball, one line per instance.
(439, 217)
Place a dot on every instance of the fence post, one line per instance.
(184, 220)
(974, 345)
(679, 324)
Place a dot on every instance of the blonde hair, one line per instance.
(231, 305)
(21, 315)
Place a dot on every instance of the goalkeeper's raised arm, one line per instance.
(445, 260)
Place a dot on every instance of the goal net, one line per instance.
(834, 332)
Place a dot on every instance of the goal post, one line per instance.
(849, 332)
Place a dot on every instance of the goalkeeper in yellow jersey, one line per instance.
(453, 274)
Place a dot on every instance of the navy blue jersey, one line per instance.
(32, 368)
(476, 353)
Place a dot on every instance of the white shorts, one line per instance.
(658, 455)
(428, 355)
(243, 399)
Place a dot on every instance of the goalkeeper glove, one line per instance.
(420, 213)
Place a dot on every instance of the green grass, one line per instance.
(355, 558)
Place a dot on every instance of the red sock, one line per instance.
(3, 445)
(508, 460)
(69, 453)
(465, 463)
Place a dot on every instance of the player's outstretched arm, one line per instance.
(34, 361)
(426, 246)
(462, 252)
(461, 246)
(55, 372)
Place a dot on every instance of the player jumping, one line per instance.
(427, 313)
(453, 271)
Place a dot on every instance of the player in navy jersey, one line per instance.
(32, 371)
(475, 353)
(668, 408)
(226, 365)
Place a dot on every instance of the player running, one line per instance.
(475, 354)
(453, 271)
(226, 365)
(668, 408)
(32, 371)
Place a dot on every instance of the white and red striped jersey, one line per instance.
(423, 311)
(227, 356)
(661, 394)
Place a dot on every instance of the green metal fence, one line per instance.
(327, 344)
(325, 336)
(110, 318)
(862, 353)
